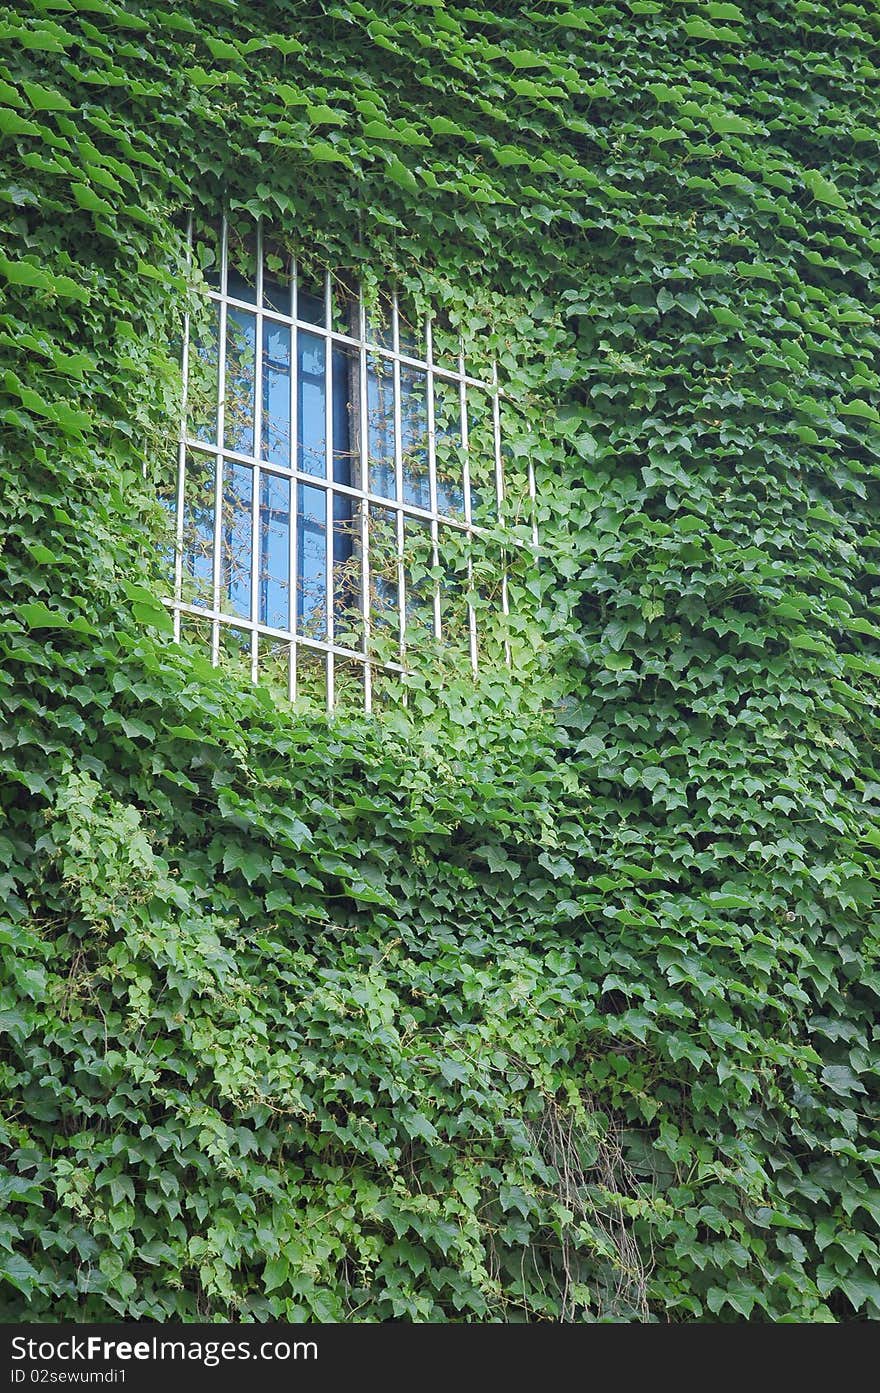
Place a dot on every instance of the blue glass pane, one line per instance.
(276, 393)
(345, 376)
(345, 565)
(409, 334)
(311, 537)
(237, 538)
(448, 447)
(380, 425)
(204, 380)
(310, 303)
(274, 561)
(241, 345)
(276, 278)
(414, 436)
(347, 593)
(198, 529)
(311, 404)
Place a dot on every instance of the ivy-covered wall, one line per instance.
(549, 997)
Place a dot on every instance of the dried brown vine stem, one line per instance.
(591, 1191)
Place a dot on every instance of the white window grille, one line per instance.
(326, 455)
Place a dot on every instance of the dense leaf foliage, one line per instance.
(549, 997)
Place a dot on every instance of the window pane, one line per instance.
(311, 527)
(448, 448)
(273, 664)
(241, 343)
(349, 685)
(346, 447)
(237, 538)
(276, 278)
(198, 632)
(347, 572)
(276, 393)
(417, 561)
(380, 425)
(378, 322)
(414, 436)
(310, 303)
(311, 675)
(446, 341)
(273, 578)
(203, 387)
(198, 529)
(235, 650)
(410, 335)
(311, 408)
(454, 618)
(206, 251)
(241, 268)
(481, 452)
(343, 301)
(384, 620)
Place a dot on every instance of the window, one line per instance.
(333, 460)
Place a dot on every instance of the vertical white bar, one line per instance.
(465, 444)
(218, 477)
(294, 482)
(256, 536)
(329, 467)
(398, 477)
(499, 495)
(432, 474)
(362, 420)
(181, 456)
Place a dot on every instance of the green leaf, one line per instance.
(822, 188)
(617, 662)
(18, 1272)
(45, 98)
(857, 407)
(726, 123)
(87, 198)
(842, 1080)
(38, 615)
(398, 171)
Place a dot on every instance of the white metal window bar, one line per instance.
(316, 437)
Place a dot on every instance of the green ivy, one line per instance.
(547, 997)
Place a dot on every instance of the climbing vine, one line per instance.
(547, 996)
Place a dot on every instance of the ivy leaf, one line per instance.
(275, 1273)
(617, 662)
(823, 189)
(18, 1272)
(841, 1079)
(726, 123)
(45, 98)
(857, 407)
(87, 198)
(399, 172)
(38, 615)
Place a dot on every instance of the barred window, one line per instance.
(329, 451)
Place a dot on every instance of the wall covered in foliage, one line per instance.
(548, 997)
